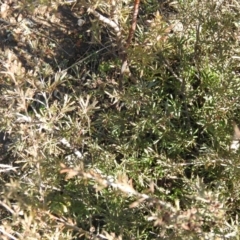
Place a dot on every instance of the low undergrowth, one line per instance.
(93, 152)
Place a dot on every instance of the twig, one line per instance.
(125, 65)
(106, 20)
(132, 29)
(10, 236)
(7, 207)
(79, 61)
(70, 225)
(113, 11)
(116, 29)
(122, 47)
(108, 181)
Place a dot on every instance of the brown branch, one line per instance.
(119, 39)
(132, 29)
(125, 64)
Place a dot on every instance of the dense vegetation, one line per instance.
(112, 132)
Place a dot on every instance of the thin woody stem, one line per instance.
(113, 11)
(115, 28)
(120, 42)
(132, 29)
(106, 20)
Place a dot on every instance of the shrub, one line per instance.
(117, 131)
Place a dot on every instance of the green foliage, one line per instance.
(147, 158)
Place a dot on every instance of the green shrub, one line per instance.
(99, 153)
